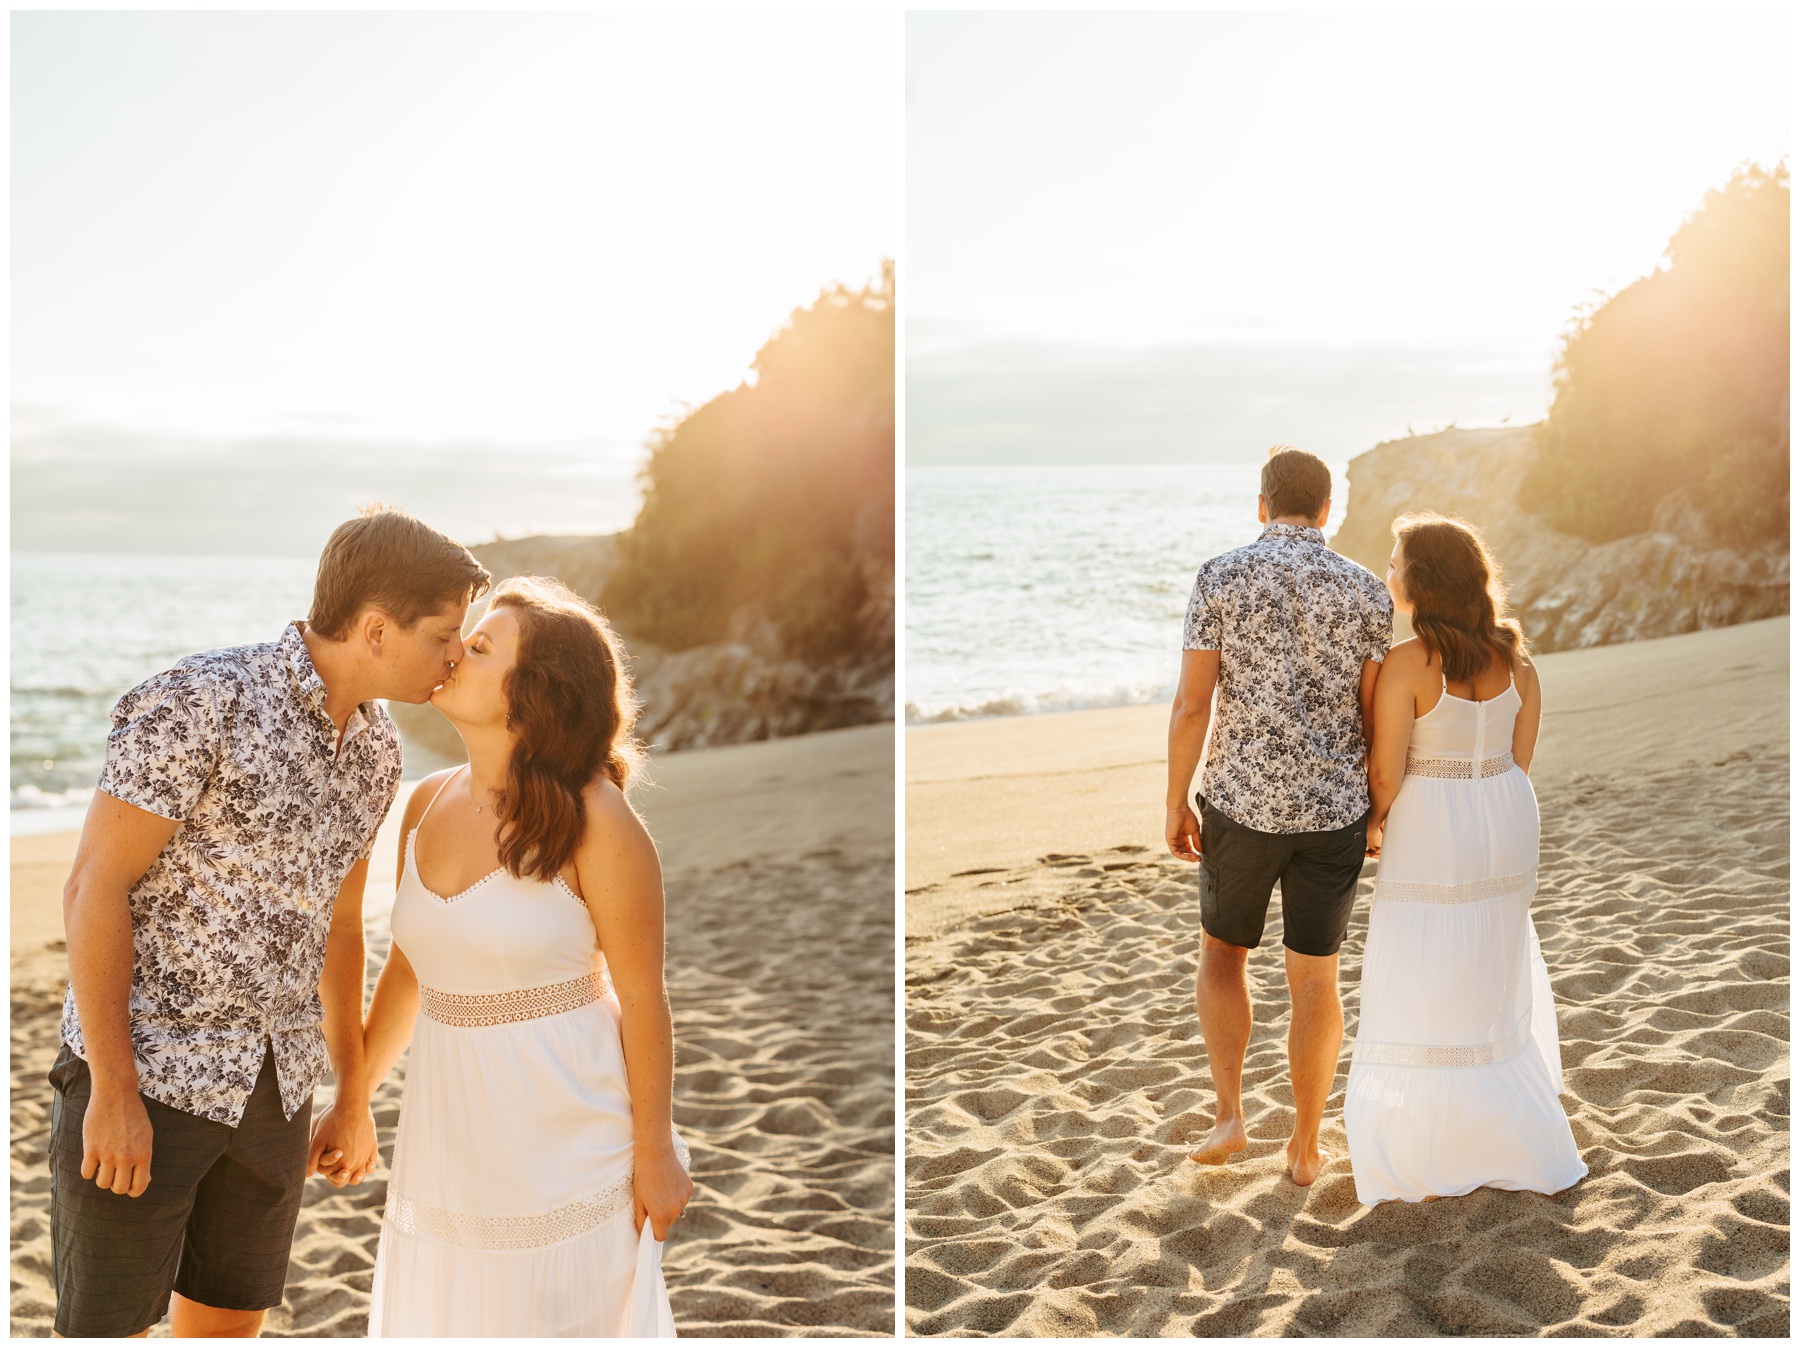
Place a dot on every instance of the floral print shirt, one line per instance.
(1293, 623)
(228, 925)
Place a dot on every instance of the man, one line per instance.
(214, 919)
(1291, 636)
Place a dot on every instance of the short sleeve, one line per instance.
(392, 774)
(1381, 625)
(165, 743)
(1205, 630)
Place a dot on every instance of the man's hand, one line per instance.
(115, 1142)
(1181, 831)
(1373, 849)
(343, 1145)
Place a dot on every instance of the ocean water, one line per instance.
(1050, 589)
(86, 627)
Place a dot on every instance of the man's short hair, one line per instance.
(386, 559)
(1295, 482)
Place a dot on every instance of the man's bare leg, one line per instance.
(1315, 1037)
(192, 1320)
(1222, 996)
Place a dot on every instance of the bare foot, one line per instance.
(1305, 1163)
(1226, 1139)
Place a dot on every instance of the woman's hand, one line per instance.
(1373, 848)
(661, 1189)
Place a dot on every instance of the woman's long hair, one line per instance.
(570, 707)
(1459, 602)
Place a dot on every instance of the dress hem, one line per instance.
(1581, 1173)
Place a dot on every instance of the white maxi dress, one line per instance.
(509, 1208)
(1456, 1070)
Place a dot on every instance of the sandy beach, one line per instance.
(1055, 1074)
(779, 863)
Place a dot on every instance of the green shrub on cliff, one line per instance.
(755, 499)
(1679, 383)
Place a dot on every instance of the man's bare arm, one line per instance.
(1189, 718)
(1371, 671)
(343, 1141)
(119, 842)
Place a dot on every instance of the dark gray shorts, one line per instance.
(1239, 867)
(216, 1223)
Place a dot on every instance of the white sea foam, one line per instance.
(29, 797)
(1019, 702)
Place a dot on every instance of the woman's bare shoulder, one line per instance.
(424, 792)
(1525, 671)
(614, 827)
(1408, 659)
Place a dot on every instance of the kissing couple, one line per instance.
(1327, 747)
(215, 934)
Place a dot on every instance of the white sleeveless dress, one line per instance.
(1456, 1069)
(509, 1208)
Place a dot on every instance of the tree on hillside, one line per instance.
(771, 497)
(1679, 383)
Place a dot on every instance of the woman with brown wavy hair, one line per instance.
(1456, 1070)
(535, 1172)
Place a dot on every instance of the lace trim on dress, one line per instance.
(467, 1010)
(1474, 891)
(529, 1231)
(1467, 769)
(1440, 1055)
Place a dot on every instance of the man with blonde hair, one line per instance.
(1290, 635)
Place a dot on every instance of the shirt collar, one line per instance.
(311, 687)
(1301, 531)
(300, 665)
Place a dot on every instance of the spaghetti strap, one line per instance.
(434, 798)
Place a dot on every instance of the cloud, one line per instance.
(990, 399)
(83, 487)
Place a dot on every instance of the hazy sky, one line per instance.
(1188, 235)
(476, 257)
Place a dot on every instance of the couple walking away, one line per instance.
(1328, 747)
(215, 938)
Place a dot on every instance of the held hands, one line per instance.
(115, 1142)
(343, 1145)
(1373, 849)
(1181, 831)
(661, 1189)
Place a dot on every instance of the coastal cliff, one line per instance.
(1568, 592)
(754, 590)
(742, 687)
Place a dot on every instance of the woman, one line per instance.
(1456, 1070)
(535, 1168)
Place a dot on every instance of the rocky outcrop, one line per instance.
(583, 562)
(741, 688)
(747, 687)
(731, 691)
(1565, 591)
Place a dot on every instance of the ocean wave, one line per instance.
(29, 797)
(1018, 702)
